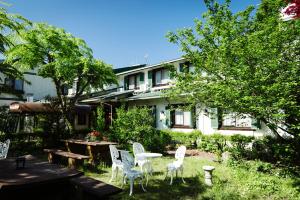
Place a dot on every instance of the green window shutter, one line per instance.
(181, 67)
(153, 109)
(255, 124)
(193, 117)
(214, 118)
(150, 78)
(142, 77)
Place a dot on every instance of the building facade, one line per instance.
(143, 85)
(36, 89)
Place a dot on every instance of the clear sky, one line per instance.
(120, 32)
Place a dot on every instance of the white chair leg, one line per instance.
(131, 187)
(182, 175)
(117, 170)
(113, 168)
(171, 182)
(167, 174)
(123, 181)
(141, 183)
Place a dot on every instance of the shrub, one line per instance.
(181, 138)
(239, 145)
(273, 150)
(136, 125)
(215, 143)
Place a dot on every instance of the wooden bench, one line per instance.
(88, 188)
(73, 158)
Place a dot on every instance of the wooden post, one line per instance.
(89, 149)
(50, 157)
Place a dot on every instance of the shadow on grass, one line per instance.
(160, 189)
(296, 184)
(86, 167)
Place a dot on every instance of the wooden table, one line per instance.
(98, 150)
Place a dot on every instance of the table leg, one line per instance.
(90, 153)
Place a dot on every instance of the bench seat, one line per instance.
(73, 158)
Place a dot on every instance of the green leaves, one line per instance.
(58, 55)
(245, 62)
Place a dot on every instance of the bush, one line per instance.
(136, 125)
(181, 138)
(286, 152)
(215, 143)
(239, 145)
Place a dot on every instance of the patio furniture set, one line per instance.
(124, 162)
(79, 150)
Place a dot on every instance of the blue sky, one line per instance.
(121, 32)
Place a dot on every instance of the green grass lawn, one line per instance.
(229, 183)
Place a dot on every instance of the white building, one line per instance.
(37, 88)
(142, 85)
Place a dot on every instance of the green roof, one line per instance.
(124, 69)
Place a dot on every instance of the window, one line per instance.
(161, 77)
(133, 82)
(182, 119)
(234, 120)
(81, 119)
(14, 84)
(186, 67)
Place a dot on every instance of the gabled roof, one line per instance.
(124, 69)
(141, 67)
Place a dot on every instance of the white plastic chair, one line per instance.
(116, 162)
(142, 162)
(129, 173)
(4, 146)
(177, 165)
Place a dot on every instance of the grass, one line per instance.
(229, 183)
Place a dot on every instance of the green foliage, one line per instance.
(245, 62)
(239, 145)
(281, 152)
(181, 138)
(215, 143)
(9, 24)
(136, 125)
(8, 121)
(100, 121)
(63, 58)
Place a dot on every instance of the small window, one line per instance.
(182, 118)
(161, 76)
(81, 119)
(14, 84)
(234, 120)
(134, 82)
(18, 85)
(186, 67)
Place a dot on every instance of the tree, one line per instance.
(65, 59)
(245, 62)
(9, 24)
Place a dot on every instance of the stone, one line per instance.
(208, 174)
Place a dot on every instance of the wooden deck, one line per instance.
(41, 180)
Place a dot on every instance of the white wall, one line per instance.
(203, 122)
(39, 87)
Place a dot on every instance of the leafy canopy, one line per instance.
(9, 24)
(58, 55)
(245, 62)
